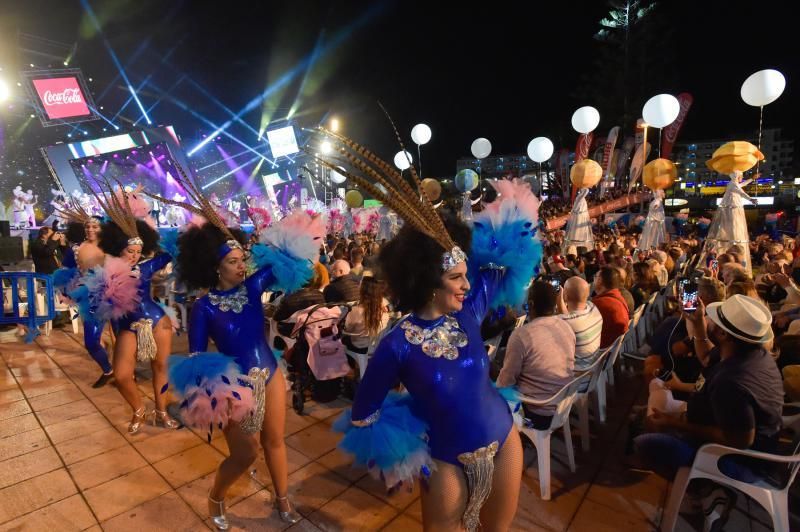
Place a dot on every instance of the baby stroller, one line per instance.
(317, 360)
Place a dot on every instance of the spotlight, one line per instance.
(334, 125)
(69, 135)
(4, 92)
(66, 63)
(33, 116)
(326, 147)
(32, 65)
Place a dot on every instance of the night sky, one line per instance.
(509, 72)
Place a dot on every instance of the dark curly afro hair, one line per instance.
(197, 254)
(75, 232)
(411, 263)
(113, 239)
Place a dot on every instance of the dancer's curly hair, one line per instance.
(198, 257)
(113, 239)
(411, 263)
(75, 232)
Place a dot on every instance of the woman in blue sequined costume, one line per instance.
(231, 315)
(144, 335)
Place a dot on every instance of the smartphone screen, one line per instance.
(556, 283)
(688, 296)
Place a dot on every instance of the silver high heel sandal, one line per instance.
(220, 520)
(161, 417)
(136, 422)
(288, 516)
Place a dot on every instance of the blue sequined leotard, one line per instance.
(234, 319)
(455, 397)
(148, 308)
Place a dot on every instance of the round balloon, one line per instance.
(354, 199)
(481, 148)
(763, 87)
(586, 173)
(467, 180)
(585, 119)
(338, 178)
(659, 174)
(540, 149)
(432, 188)
(403, 160)
(661, 110)
(421, 134)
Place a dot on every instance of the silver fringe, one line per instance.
(253, 422)
(479, 468)
(145, 341)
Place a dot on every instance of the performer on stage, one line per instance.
(31, 200)
(453, 428)
(213, 257)
(145, 334)
(19, 208)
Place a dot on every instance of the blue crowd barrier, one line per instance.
(33, 320)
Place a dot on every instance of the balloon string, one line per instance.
(760, 124)
(659, 142)
(419, 159)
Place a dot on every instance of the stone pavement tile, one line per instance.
(123, 493)
(35, 493)
(325, 410)
(315, 440)
(58, 414)
(79, 427)
(162, 443)
(50, 400)
(414, 511)
(22, 443)
(65, 515)
(98, 442)
(106, 466)
(28, 465)
(403, 523)
(296, 423)
(303, 525)
(7, 380)
(35, 388)
(18, 425)
(355, 509)
(189, 465)
(10, 395)
(195, 493)
(555, 514)
(638, 494)
(256, 512)
(342, 464)
(313, 486)
(599, 518)
(167, 512)
(14, 409)
(400, 499)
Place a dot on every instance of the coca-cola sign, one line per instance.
(61, 97)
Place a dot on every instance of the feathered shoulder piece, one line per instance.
(118, 208)
(388, 185)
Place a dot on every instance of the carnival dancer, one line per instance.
(145, 334)
(84, 254)
(454, 429)
(213, 257)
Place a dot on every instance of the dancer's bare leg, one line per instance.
(272, 433)
(445, 499)
(498, 511)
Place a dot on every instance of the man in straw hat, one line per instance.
(739, 405)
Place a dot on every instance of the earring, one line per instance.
(434, 295)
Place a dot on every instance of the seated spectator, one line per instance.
(368, 318)
(731, 272)
(585, 320)
(738, 406)
(322, 272)
(644, 283)
(623, 289)
(540, 356)
(343, 286)
(306, 297)
(612, 306)
(356, 259)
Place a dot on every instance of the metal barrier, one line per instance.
(36, 300)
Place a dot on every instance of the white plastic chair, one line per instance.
(773, 499)
(492, 345)
(590, 376)
(563, 401)
(603, 379)
(630, 344)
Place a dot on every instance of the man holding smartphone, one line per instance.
(45, 248)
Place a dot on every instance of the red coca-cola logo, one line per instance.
(61, 97)
(671, 132)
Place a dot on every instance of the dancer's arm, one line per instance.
(198, 328)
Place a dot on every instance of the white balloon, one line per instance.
(402, 160)
(585, 119)
(540, 149)
(763, 87)
(661, 110)
(421, 134)
(481, 148)
(338, 178)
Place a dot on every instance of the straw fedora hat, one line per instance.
(743, 317)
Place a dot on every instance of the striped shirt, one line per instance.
(587, 325)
